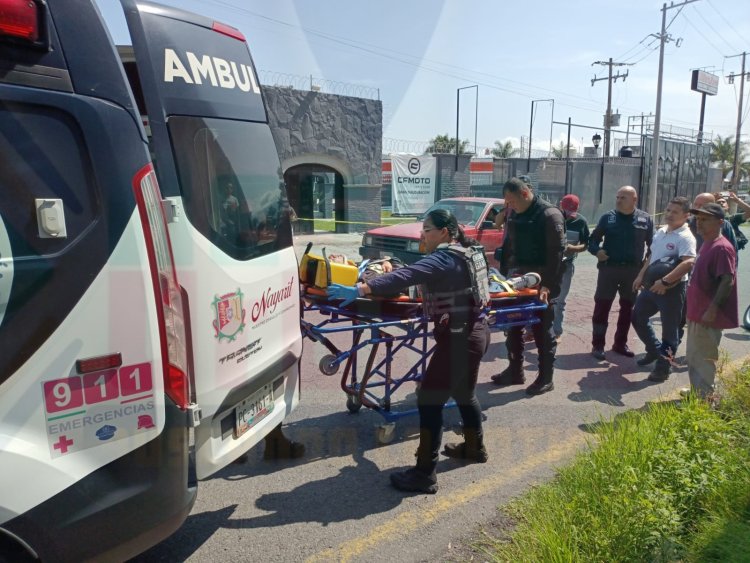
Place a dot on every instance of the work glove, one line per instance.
(345, 292)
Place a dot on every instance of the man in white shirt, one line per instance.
(662, 281)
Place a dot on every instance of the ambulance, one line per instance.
(149, 299)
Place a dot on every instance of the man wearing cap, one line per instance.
(726, 228)
(534, 242)
(663, 279)
(620, 241)
(711, 298)
(577, 234)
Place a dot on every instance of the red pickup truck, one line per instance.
(476, 215)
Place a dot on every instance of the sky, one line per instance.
(414, 55)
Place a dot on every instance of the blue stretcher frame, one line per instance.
(374, 326)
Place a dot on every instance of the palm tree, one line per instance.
(561, 150)
(446, 144)
(503, 150)
(722, 151)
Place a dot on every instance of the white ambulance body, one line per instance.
(139, 302)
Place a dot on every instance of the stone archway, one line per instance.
(316, 192)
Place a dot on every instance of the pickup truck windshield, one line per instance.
(466, 212)
(232, 185)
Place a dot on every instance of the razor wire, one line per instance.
(316, 84)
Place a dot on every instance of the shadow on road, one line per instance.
(607, 386)
(740, 337)
(196, 530)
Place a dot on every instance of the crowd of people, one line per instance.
(686, 271)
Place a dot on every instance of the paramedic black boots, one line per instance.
(422, 477)
(471, 450)
(661, 371)
(512, 375)
(415, 480)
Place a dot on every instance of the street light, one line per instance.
(476, 114)
(596, 139)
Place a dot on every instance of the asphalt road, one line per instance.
(336, 504)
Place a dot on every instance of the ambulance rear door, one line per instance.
(217, 164)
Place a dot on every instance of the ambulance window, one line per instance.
(43, 156)
(231, 183)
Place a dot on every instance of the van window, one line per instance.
(232, 186)
(43, 155)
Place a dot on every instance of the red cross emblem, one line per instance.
(63, 444)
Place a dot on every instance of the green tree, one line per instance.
(503, 150)
(446, 144)
(722, 151)
(561, 150)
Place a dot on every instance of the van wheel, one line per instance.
(746, 319)
(385, 433)
(328, 364)
(353, 404)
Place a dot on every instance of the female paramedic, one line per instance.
(453, 280)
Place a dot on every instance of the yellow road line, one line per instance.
(409, 522)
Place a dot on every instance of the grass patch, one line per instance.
(667, 483)
(385, 219)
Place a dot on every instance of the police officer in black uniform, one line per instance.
(627, 233)
(534, 242)
(453, 278)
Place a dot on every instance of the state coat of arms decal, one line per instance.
(229, 315)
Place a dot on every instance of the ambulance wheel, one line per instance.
(328, 364)
(353, 404)
(385, 433)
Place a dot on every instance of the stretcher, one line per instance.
(383, 329)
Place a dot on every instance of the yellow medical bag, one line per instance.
(319, 271)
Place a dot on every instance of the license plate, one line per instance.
(252, 410)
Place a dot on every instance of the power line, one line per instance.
(364, 47)
(732, 48)
(675, 16)
(644, 57)
(403, 58)
(636, 46)
(706, 39)
(648, 49)
(726, 21)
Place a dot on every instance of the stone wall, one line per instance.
(341, 132)
(452, 180)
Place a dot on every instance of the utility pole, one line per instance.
(476, 118)
(610, 78)
(663, 37)
(736, 167)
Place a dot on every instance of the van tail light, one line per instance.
(228, 30)
(24, 23)
(172, 330)
(19, 19)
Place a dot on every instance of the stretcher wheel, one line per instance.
(328, 364)
(353, 404)
(385, 433)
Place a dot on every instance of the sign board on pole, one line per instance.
(413, 183)
(704, 82)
